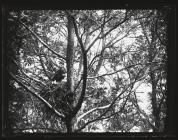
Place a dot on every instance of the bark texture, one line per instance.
(70, 55)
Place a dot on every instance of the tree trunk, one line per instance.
(70, 55)
(153, 80)
(154, 100)
(70, 74)
(151, 54)
(69, 125)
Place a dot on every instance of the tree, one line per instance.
(103, 69)
(157, 57)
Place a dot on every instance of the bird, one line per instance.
(59, 75)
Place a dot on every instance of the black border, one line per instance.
(87, 4)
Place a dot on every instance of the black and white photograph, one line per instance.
(85, 71)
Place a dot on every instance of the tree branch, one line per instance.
(89, 47)
(84, 53)
(114, 72)
(43, 66)
(92, 110)
(22, 70)
(144, 114)
(118, 24)
(120, 70)
(109, 45)
(34, 34)
(38, 96)
(110, 105)
(144, 32)
(102, 27)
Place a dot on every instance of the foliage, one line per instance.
(117, 44)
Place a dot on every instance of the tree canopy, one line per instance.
(115, 63)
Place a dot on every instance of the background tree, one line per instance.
(157, 57)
